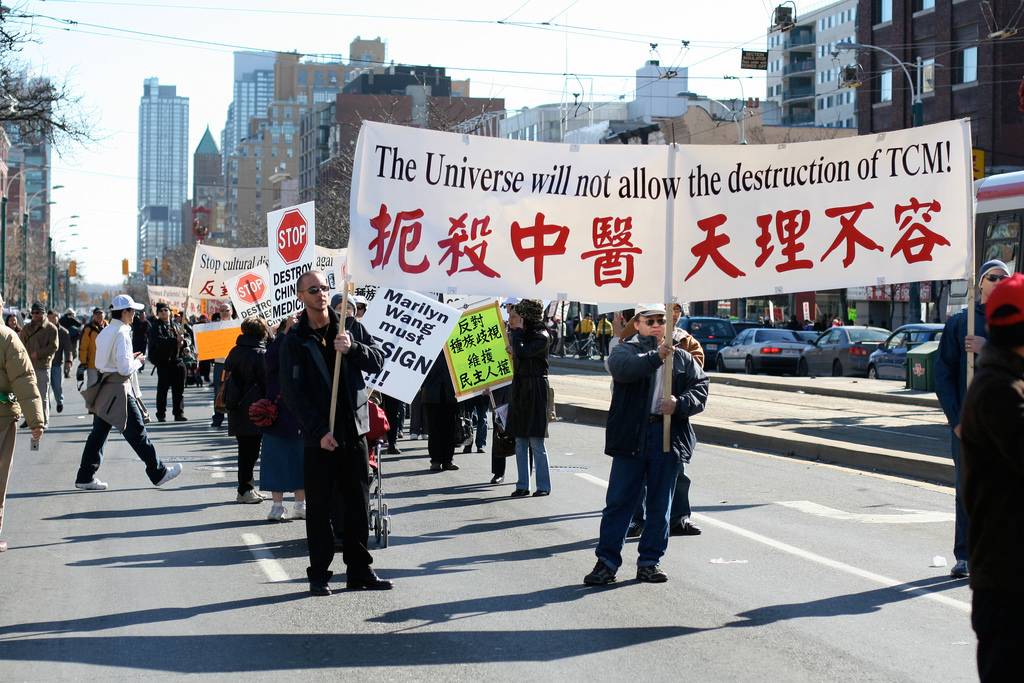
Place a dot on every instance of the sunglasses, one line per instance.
(317, 289)
(653, 322)
(996, 278)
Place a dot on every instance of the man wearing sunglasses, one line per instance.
(951, 386)
(633, 438)
(336, 462)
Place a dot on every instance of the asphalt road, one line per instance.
(804, 572)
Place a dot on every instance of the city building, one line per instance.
(208, 193)
(252, 90)
(163, 168)
(804, 77)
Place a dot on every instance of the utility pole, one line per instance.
(24, 259)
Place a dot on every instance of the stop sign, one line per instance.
(292, 236)
(251, 288)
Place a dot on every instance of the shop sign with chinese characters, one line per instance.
(434, 211)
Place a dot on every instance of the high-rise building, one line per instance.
(163, 168)
(208, 192)
(251, 92)
(804, 76)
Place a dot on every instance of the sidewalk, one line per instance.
(887, 391)
(850, 427)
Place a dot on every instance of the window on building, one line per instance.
(920, 5)
(969, 64)
(882, 11)
(885, 86)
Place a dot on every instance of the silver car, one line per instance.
(758, 349)
(841, 351)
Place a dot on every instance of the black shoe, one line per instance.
(180, 418)
(24, 425)
(684, 528)
(538, 494)
(216, 423)
(600, 575)
(161, 418)
(339, 545)
(652, 574)
(497, 480)
(318, 585)
(366, 580)
(467, 449)
(519, 493)
(435, 467)
(960, 570)
(60, 407)
(635, 530)
(480, 449)
(394, 450)
(449, 467)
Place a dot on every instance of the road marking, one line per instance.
(271, 567)
(901, 586)
(905, 515)
(219, 475)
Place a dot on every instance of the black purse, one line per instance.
(463, 429)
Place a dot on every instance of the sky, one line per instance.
(106, 55)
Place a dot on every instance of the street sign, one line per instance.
(292, 236)
(754, 59)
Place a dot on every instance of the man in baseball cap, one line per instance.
(113, 402)
(992, 429)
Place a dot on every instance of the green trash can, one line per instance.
(921, 366)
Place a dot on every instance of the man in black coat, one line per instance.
(336, 462)
(166, 341)
(992, 429)
(633, 438)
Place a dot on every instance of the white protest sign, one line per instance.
(412, 329)
(435, 211)
(212, 266)
(291, 234)
(334, 266)
(175, 297)
(250, 294)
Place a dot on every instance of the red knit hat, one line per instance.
(1005, 305)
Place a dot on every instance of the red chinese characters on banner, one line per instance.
(848, 232)
(531, 242)
(614, 251)
(917, 243)
(790, 226)
(405, 230)
(207, 290)
(456, 246)
(710, 248)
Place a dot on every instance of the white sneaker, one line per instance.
(299, 510)
(94, 485)
(249, 496)
(276, 512)
(171, 472)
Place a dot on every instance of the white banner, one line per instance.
(412, 329)
(250, 294)
(434, 211)
(291, 234)
(334, 264)
(175, 297)
(212, 266)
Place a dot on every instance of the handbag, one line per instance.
(502, 445)
(463, 429)
(218, 400)
(379, 424)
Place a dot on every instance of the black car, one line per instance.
(712, 333)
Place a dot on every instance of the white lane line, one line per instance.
(818, 559)
(271, 567)
(218, 475)
(901, 516)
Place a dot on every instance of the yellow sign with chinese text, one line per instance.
(477, 352)
(978, 156)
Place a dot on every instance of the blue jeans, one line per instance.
(680, 510)
(57, 381)
(625, 484)
(960, 551)
(479, 412)
(540, 461)
(134, 433)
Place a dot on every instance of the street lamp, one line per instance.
(24, 240)
(743, 107)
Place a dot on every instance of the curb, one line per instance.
(899, 463)
(925, 400)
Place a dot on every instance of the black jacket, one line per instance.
(528, 400)
(992, 428)
(140, 334)
(247, 383)
(285, 426)
(306, 379)
(165, 340)
(437, 385)
(633, 365)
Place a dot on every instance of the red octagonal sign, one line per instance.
(251, 288)
(292, 236)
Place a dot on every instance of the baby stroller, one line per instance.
(376, 440)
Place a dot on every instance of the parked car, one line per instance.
(758, 349)
(841, 351)
(808, 335)
(740, 325)
(889, 361)
(712, 333)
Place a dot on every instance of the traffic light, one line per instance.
(73, 269)
(124, 266)
(165, 268)
(147, 267)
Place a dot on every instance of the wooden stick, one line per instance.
(666, 381)
(337, 354)
(971, 293)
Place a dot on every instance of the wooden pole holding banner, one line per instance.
(669, 364)
(972, 273)
(346, 284)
